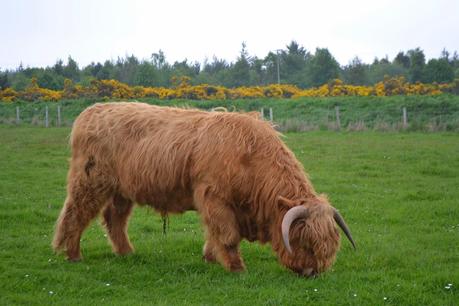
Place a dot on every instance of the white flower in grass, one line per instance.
(107, 284)
(315, 290)
(355, 294)
(384, 298)
(51, 293)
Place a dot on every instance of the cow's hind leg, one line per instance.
(222, 232)
(115, 218)
(85, 198)
(74, 218)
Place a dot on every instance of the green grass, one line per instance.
(398, 192)
(425, 113)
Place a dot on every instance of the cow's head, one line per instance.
(309, 234)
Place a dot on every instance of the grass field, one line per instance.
(398, 192)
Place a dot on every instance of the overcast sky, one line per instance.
(37, 33)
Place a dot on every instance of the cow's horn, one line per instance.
(340, 221)
(291, 215)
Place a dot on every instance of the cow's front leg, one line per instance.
(223, 238)
(115, 218)
(230, 257)
(209, 253)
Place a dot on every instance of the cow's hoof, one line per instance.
(237, 267)
(74, 259)
(124, 252)
(209, 258)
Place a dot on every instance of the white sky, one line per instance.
(37, 33)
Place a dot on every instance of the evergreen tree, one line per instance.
(270, 68)
(356, 73)
(240, 71)
(146, 75)
(4, 82)
(92, 69)
(49, 79)
(438, 70)
(158, 59)
(257, 72)
(58, 68)
(215, 66)
(382, 68)
(417, 63)
(455, 64)
(402, 59)
(106, 72)
(184, 68)
(126, 69)
(19, 81)
(322, 67)
(163, 68)
(293, 64)
(71, 70)
(214, 72)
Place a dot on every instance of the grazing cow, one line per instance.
(232, 168)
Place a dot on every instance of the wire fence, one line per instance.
(337, 118)
(40, 116)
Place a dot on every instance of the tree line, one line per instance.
(293, 65)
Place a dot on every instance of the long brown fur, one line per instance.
(232, 168)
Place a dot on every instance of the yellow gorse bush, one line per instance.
(112, 89)
(34, 93)
(8, 95)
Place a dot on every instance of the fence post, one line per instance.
(262, 113)
(46, 116)
(405, 118)
(338, 121)
(270, 114)
(17, 115)
(58, 115)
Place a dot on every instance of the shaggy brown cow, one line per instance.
(232, 168)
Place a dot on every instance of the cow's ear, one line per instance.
(284, 203)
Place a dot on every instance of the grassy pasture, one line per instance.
(398, 192)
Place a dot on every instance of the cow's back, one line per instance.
(157, 154)
(142, 146)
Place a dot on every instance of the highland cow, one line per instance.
(232, 168)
